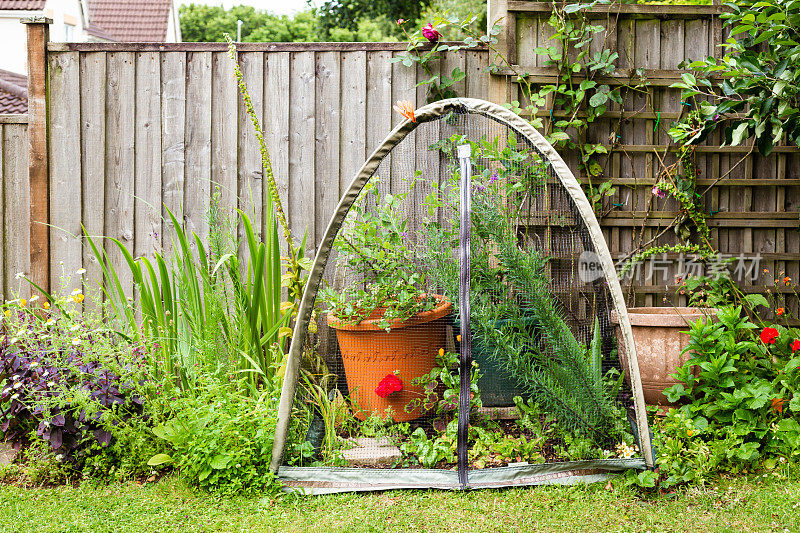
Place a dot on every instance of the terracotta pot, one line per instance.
(370, 354)
(658, 334)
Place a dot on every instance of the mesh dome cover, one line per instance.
(378, 380)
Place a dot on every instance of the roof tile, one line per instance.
(23, 5)
(131, 20)
(13, 92)
(12, 104)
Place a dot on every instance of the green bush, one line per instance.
(741, 394)
(221, 441)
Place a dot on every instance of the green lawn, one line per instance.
(740, 505)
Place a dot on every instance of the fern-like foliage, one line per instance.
(563, 375)
(514, 315)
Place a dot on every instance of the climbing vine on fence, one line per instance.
(564, 109)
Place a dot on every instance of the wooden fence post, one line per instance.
(38, 31)
(498, 14)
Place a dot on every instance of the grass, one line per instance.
(168, 505)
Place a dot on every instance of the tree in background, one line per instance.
(346, 14)
(202, 23)
(460, 9)
(336, 20)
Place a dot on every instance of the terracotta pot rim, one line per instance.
(665, 317)
(442, 309)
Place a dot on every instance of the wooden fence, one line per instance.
(133, 127)
(130, 127)
(754, 207)
(14, 202)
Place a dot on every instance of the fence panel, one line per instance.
(753, 201)
(14, 205)
(136, 126)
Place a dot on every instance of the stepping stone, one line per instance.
(7, 453)
(372, 452)
(500, 413)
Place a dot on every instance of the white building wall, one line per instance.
(67, 26)
(173, 26)
(13, 42)
(67, 20)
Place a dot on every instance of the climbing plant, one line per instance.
(565, 108)
(758, 94)
(578, 100)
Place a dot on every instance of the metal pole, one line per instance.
(465, 367)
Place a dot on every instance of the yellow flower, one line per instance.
(690, 433)
(458, 338)
(23, 302)
(78, 298)
(8, 313)
(441, 352)
(46, 304)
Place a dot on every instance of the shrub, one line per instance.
(221, 441)
(743, 405)
(71, 383)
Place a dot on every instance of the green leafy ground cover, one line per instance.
(755, 504)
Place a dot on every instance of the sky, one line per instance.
(279, 7)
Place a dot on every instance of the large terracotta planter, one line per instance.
(408, 349)
(658, 334)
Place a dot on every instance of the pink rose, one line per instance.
(430, 33)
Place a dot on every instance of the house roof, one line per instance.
(131, 20)
(13, 92)
(23, 5)
(99, 33)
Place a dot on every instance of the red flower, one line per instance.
(779, 311)
(430, 33)
(795, 345)
(388, 385)
(768, 335)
